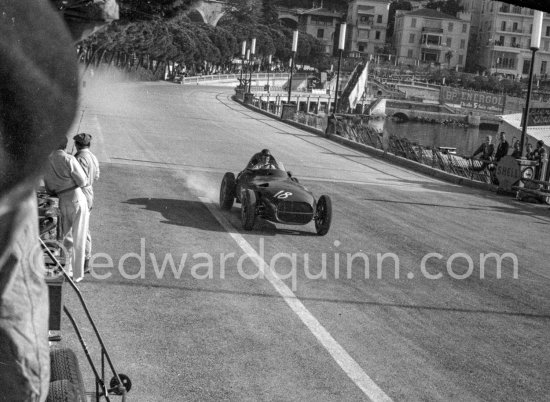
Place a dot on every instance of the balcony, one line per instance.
(510, 30)
(432, 30)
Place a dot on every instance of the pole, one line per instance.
(290, 80)
(268, 69)
(535, 45)
(294, 50)
(341, 46)
(243, 53)
(527, 101)
(337, 82)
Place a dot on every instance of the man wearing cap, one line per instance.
(65, 179)
(90, 165)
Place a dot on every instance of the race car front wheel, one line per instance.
(227, 191)
(248, 209)
(323, 215)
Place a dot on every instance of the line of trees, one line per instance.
(156, 33)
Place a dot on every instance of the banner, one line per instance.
(357, 92)
(472, 100)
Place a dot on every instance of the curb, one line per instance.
(378, 153)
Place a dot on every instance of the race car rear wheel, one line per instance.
(323, 215)
(227, 191)
(248, 210)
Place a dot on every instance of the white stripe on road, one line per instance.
(338, 353)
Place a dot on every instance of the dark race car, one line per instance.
(274, 195)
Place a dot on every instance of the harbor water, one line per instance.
(465, 139)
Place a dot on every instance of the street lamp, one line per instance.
(294, 49)
(243, 52)
(535, 45)
(268, 69)
(252, 52)
(247, 59)
(341, 44)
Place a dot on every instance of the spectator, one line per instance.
(502, 148)
(486, 150)
(90, 165)
(516, 153)
(529, 151)
(538, 155)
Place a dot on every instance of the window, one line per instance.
(377, 35)
(460, 59)
(379, 19)
(464, 28)
(515, 27)
(320, 33)
(548, 30)
(451, 26)
(413, 23)
(449, 42)
(503, 26)
(501, 41)
(431, 40)
(361, 48)
(410, 53)
(543, 67)
(546, 44)
(526, 66)
(411, 38)
(462, 43)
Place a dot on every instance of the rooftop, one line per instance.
(537, 132)
(430, 13)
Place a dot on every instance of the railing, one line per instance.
(228, 77)
(357, 128)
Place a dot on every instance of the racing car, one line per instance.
(273, 194)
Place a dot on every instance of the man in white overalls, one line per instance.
(65, 178)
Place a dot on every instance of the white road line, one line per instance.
(338, 353)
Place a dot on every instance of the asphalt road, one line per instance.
(216, 328)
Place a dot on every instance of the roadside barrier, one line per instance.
(367, 130)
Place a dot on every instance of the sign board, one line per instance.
(472, 100)
(508, 172)
(538, 116)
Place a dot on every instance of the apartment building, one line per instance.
(321, 24)
(367, 25)
(430, 36)
(503, 39)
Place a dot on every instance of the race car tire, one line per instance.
(227, 191)
(64, 366)
(323, 215)
(62, 391)
(248, 209)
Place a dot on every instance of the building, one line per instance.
(321, 24)
(429, 36)
(367, 25)
(503, 37)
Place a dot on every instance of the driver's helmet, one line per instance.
(265, 157)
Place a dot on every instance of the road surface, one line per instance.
(354, 315)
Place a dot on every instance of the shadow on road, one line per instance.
(326, 300)
(194, 214)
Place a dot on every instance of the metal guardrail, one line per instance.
(229, 77)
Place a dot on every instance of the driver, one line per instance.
(263, 160)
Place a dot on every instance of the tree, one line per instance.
(246, 12)
(394, 6)
(139, 10)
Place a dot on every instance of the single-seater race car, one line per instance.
(268, 191)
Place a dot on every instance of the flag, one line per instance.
(357, 92)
